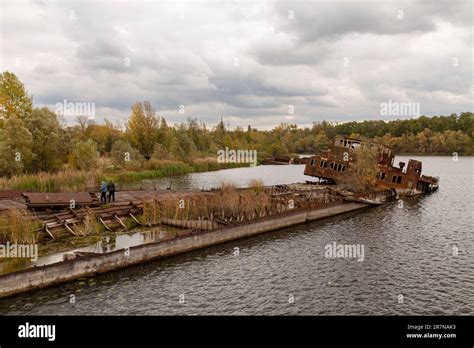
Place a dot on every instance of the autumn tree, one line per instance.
(14, 99)
(84, 155)
(160, 152)
(84, 123)
(142, 128)
(123, 153)
(47, 140)
(15, 147)
(363, 171)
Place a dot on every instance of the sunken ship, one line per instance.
(331, 165)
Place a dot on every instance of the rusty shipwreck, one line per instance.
(331, 165)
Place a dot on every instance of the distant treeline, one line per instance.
(37, 140)
(441, 135)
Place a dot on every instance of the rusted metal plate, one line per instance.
(10, 194)
(37, 199)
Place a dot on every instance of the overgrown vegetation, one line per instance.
(229, 204)
(18, 226)
(364, 171)
(89, 226)
(170, 168)
(256, 185)
(64, 181)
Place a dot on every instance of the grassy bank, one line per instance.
(172, 169)
(63, 181)
(75, 180)
(19, 227)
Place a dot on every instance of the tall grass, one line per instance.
(89, 226)
(19, 226)
(63, 181)
(151, 212)
(227, 204)
(256, 185)
(169, 168)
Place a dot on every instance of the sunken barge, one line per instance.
(252, 213)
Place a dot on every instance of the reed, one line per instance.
(63, 181)
(19, 226)
(151, 212)
(256, 185)
(159, 169)
(227, 204)
(89, 226)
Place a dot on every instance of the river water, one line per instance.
(418, 259)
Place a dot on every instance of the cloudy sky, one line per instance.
(252, 62)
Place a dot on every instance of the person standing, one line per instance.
(103, 192)
(111, 189)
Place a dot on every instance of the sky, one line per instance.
(257, 63)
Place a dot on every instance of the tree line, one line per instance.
(37, 140)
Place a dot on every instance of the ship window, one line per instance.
(325, 164)
(321, 163)
(332, 165)
(343, 167)
(397, 179)
(382, 175)
(339, 167)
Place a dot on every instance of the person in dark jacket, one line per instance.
(103, 192)
(111, 189)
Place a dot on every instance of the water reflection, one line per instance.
(270, 175)
(108, 243)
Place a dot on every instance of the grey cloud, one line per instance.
(190, 61)
(317, 20)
